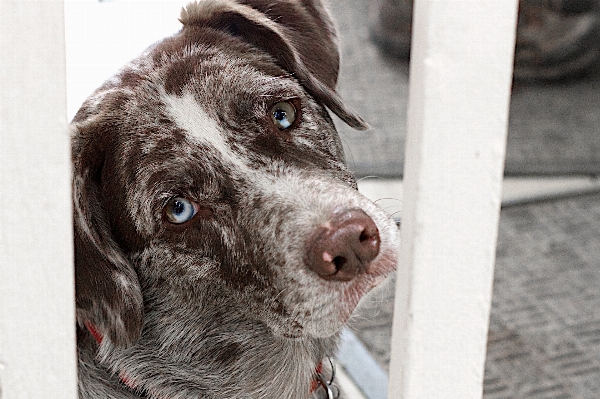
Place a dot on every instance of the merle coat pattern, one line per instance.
(245, 297)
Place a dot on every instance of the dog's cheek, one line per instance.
(275, 300)
(207, 251)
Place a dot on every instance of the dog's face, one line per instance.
(209, 170)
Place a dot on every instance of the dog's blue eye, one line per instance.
(283, 115)
(180, 210)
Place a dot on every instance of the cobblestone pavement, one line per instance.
(544, 338)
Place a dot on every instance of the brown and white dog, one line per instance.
(221, 244)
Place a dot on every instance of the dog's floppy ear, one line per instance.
(108, 293)
(298, 34)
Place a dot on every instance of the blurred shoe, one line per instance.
(556, 39)
(391, 25)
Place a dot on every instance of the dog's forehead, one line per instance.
(231, 86)
(213, 61)
(196, 91)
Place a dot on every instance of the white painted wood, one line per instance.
(460, 73)
(37, 323)
(521, 190)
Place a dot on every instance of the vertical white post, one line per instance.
(37, 330)
(460, 79)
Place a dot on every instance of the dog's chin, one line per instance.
(354, 295)
(330, 324)
(332, 330)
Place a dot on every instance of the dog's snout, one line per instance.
(344, 247)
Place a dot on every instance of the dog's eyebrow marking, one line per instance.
(189, 115)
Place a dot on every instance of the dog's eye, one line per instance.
(180, 210)
(283, 115)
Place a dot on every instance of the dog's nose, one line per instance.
(344, 247)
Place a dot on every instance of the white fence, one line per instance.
(460, 79)
(37, 330)
(458, 111)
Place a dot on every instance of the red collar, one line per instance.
(315, 383)
(129, 383)
(319, 381)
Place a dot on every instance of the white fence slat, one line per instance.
(37, 330)
(460, 79)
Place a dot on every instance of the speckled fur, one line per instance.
(222, 306)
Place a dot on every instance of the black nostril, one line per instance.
(370, 235)
(344, 247)
(339, 262)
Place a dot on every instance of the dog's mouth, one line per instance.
(333, 301)
(331, 317)
(345, 257)
(352, 296)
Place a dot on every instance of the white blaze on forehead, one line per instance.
(189, 115)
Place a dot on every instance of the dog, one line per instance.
(220, 240)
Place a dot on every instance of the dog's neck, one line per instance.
(222, 356)
(319, 381)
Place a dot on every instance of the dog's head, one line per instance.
(209, 170)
